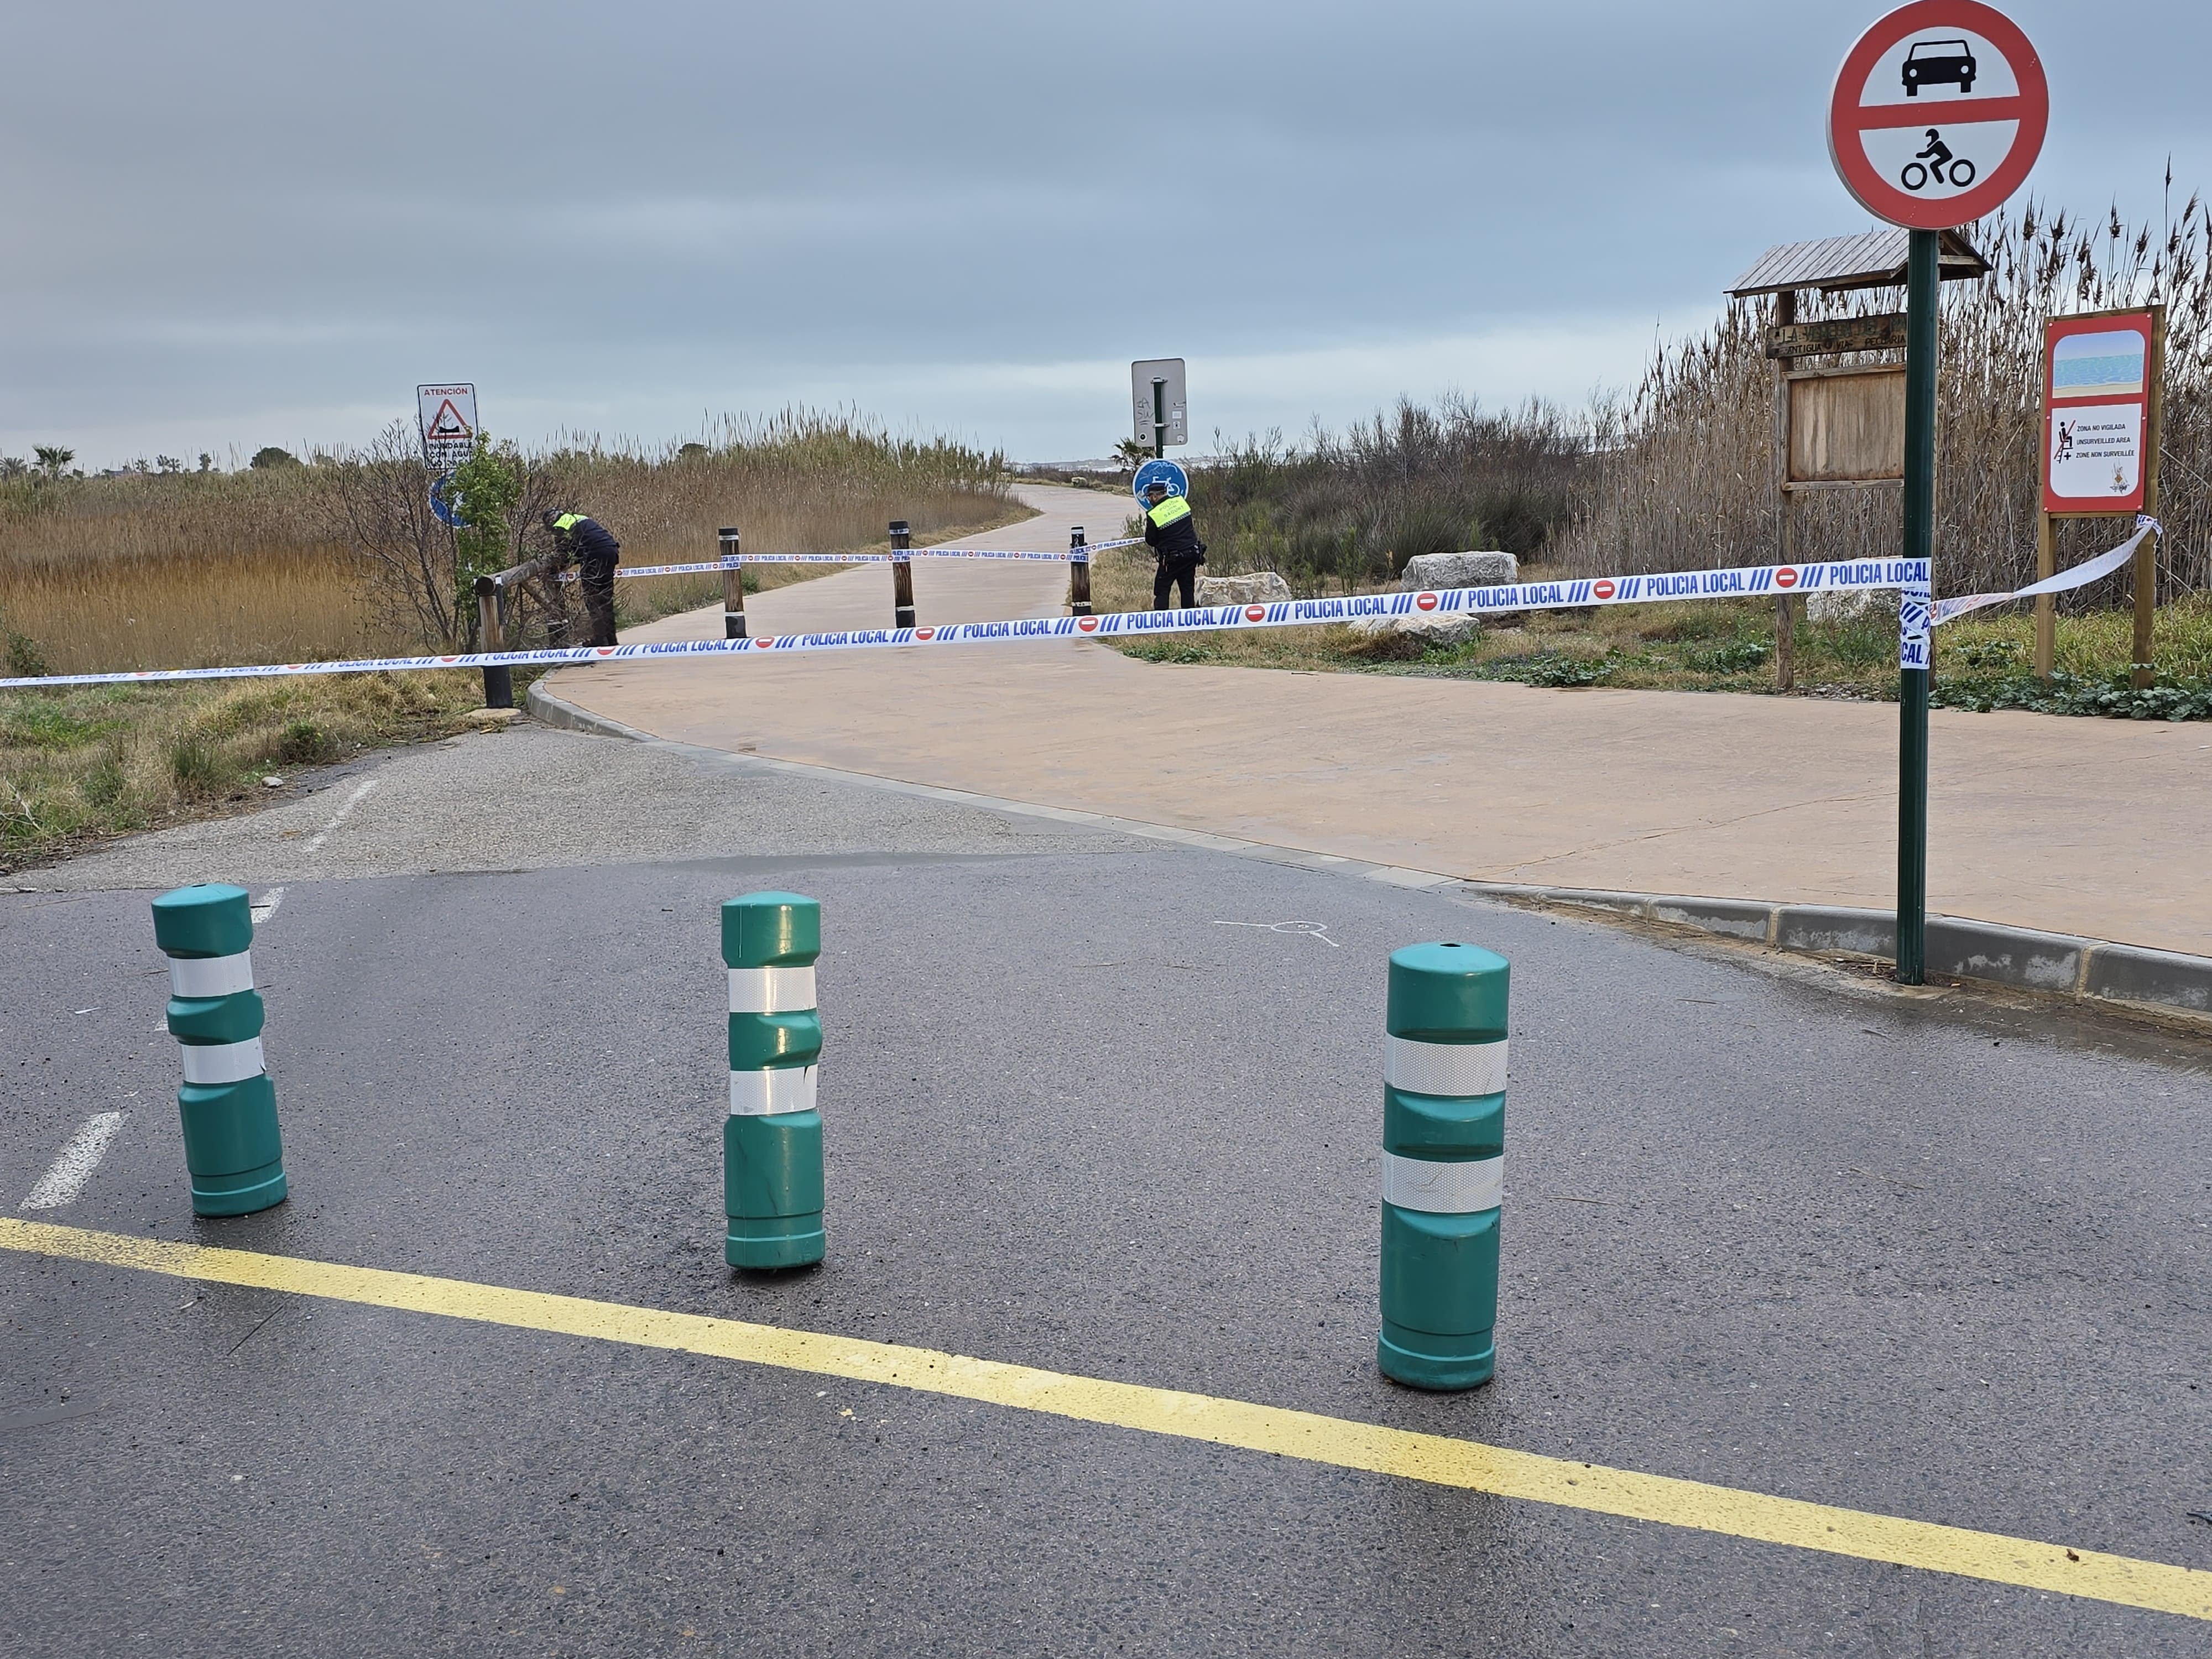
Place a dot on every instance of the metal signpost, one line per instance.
(448, 417)
(1158, 403)
(1937, 116)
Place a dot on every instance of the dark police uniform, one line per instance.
(1172, 533)
(597, 553)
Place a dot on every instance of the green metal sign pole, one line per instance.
(1159, 419)
(1922, 298)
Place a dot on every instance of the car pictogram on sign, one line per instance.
(1939, 63)
(1930, 163)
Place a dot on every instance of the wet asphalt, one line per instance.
(1085, 1109)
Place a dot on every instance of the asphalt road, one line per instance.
(1085, 1110)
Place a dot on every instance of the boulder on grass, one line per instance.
(1410, 636)
(1255, 587)
(1439, 570)
(1871, 604)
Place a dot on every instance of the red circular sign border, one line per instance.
(1860, 178)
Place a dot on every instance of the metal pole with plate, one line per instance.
(1936, 117)
(1922, 275)
(1162, 403)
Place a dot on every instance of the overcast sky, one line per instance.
(231, 224)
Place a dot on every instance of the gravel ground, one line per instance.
(530, 797)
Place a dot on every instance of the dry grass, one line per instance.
(1698, 646)
(84, 763)
(202, 570)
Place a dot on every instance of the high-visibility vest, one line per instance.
(1168, 512)
(568, 521)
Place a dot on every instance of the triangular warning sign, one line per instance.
(447, 422)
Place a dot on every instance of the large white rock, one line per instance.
(1426, 629)
(1435, 570)
(1257, 587)
(1869, 605)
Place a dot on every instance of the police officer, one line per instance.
(596, 553)
(1172, 534)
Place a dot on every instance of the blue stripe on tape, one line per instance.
(1852, 575)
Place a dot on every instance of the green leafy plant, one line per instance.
(1737, 657)
(487, 488)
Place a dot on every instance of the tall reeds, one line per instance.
(180, 571)
(1683, 473)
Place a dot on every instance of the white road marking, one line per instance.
(62, 1183)
(1318, 929)
(351, 801)
(275, 896)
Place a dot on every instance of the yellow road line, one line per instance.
(1307, 1436)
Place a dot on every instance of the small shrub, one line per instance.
(105, 780)
(1737, 657)
(304, 742)
(1859, 644)
(1990, 656)
(272, 457)
(25, 660)
(197, 765)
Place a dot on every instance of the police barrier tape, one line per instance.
(744, 559)
(1857, 575)
(2080, 576)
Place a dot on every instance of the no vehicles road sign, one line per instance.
(1938, 114)
(448, 418)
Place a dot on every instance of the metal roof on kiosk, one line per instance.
(1836, 264)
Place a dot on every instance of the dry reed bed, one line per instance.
(200, 570)
(1683, 475)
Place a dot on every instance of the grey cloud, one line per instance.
(240, 212)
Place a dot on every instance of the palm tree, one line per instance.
(1132, 454)
(52, 458)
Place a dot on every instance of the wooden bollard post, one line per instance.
(491, 635)
(902, 575)
(734, 587)
(1078, 573)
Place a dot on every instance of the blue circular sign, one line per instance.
(1166, 472)
(444, 502)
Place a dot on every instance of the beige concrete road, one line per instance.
(2083, 826)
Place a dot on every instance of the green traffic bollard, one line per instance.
(1443, 1161)
(232, 1150)
(772, 1140)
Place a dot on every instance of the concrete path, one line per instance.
(2079, 826)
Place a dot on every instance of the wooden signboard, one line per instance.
(1846, 426)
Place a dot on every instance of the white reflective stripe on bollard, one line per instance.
(765, 1094)
(771, 990)
(197, 978)
(222, 1062)
(1420, 1183)
(1445, 1068)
